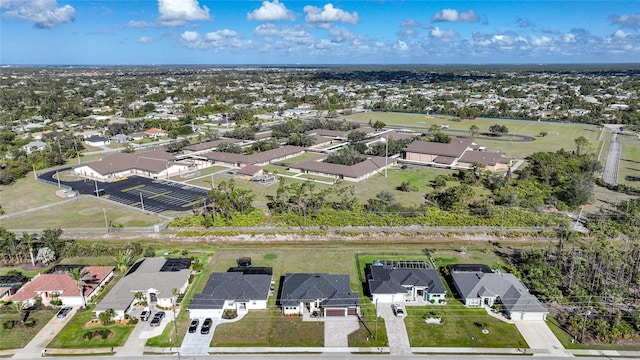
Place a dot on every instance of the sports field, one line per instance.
(559, 135)
(629, 170)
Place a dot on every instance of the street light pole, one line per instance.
(141, 201)
(175, 327)
(386, 156)
(106, 223)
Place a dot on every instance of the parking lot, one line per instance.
(143, 193)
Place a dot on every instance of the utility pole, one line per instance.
(106, 223)
(584, 324)
(141, 201)
(175, 323)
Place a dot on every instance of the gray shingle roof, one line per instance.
(234, 286)
(363, 168)
(389, 280)
(334, 290)
(513, 295)
(146, 276)
(454, 149)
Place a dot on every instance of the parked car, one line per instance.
(398, 310)
(144, 315)
(206, 326)
(63, 312)
(194, 325)
(157, 318)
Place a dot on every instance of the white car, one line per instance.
(398, 310)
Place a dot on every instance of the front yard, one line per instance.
(269, 328)
(81, 333)
(462, 327)
(14, 334)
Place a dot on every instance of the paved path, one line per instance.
(337, 330)
(39, 343)
(396, 331)
(610, 175)
(541, 340)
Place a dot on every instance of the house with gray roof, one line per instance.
(322, 294)
(479, 287)
(159, 280)
(235, 290)
(390, 283)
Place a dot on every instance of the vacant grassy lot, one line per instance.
(25, 194)
(20, 335)
(269, 328)
(85, 212)
(71, 336)
(462, 327)
(629, 170)
(559, 135)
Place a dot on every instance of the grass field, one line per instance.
(85, 212)
(27, 193)
(20, 335)
(462, 327)
(559, 135)
(629, 170)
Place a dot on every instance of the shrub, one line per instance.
(9, 324)
(88, 335)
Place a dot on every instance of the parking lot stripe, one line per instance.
(132, 188)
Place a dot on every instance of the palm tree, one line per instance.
(82, 279)
(124, 259)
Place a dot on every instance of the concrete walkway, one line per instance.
(541, 339)
(396, 331)
(39, 343)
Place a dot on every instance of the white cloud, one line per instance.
(401, 46)
(218, 40)
(145, 39)
(178, 12)
(139, 24)
(453, 15)
(271, 11)
(626, 20)
(190, 36)
(329, 14)
(620, 34)
(45, 14)
(220, 35)
(445, 35)
(340, 34)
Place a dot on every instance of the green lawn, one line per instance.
(72, 335)
(269, 328)
(559, 135)
(26, 193)
(462, 327)
(20, 335)
(85, 212)
(629, 170)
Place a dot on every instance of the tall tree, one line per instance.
(474, 130)
(82, 279)
(582, 145)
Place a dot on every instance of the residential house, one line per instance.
(400, 281)
(320, 294)
(159, 280)
(241, 290)
(479, 286)
(62, 286)
(35, 145)
(155, 133)
(96, 140)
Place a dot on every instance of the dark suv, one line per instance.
(63, 312)
(194, 325)
(206, 326)
(157, 318)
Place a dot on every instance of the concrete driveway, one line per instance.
(396, 331)
(540, 338)
(143, 331)
(197, 343)
(337, 330)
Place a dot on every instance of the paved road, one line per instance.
(610, 175)
(451, 356)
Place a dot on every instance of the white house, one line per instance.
(401, 281)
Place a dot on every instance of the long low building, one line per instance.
(155, 164)
(262, 158)
(354, 173)
(460, 153)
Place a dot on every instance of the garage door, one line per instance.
(352, 311)
(334, 312)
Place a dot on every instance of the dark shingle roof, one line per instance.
(389, 280)
(334, 290)
(236, 286)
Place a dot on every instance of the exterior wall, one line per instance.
(388, 298)
(435, 297)
(528, 316)
(71, 300)
(205, 313)
(165, 302)
(100, 286)
(425, 158)
(292, 310)
(473, 302)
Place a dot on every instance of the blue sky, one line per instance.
(149, 32)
